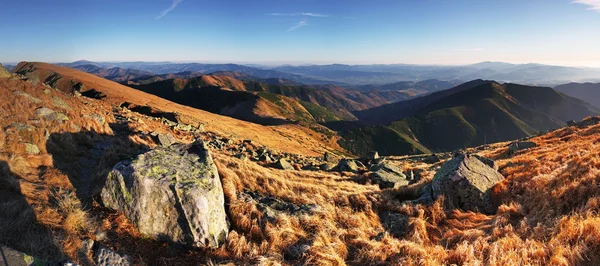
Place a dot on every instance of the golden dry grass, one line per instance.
(548, 212)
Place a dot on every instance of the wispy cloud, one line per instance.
(305, 14)
(593, 4)
(174, 4)
(298, 25)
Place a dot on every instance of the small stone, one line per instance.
(520, 145)
(166, 140)
(328, 166)
(395, 224)
(58, 102)
(284, 165)
(374, 155)
(431, 159)
(32, 148)
(98, 118)
(49, 114)
(30, 98)
(108, 257)
(347, 165)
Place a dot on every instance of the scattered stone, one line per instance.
(19, 127)
(49, 114)
(431, 159)
(58, 102)
(298, 250)
(284, 165)
(107, 257)
(30, 98)
(328, 166)
(12, 257)
(173, 193)
(589, 122)
(242, 156)
(271, 207)
(98, 118)
(265, 157)
(86, 249)
(166, 140)
(387, 175)
(47, 91)
(520, 145)
(487, 161)
(373, 155)
(466, 182)
(395, 223)
(347, 165)
(31, 148)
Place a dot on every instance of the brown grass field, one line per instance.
(548, 214)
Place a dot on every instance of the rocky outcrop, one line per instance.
(387, 175)
(172, 193)
(466, 182)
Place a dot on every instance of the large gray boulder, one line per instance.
(171, 193)
(466, 182)
(387, 175)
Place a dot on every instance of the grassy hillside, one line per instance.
(487, 113)
(589, 92)
(286, 137)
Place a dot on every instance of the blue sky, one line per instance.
(562, 32)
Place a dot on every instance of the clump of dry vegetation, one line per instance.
(548, 204)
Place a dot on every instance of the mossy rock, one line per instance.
(171, 193)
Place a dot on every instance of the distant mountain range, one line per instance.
(356, 75)
(473, 113)
(409, 117)
(504, 72)
(589, 92)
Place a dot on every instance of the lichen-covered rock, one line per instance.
(49, 114)
(387, 175)
(107, 257)
(347, 165)
(29, 98)
(172, 193)
(58, 102)
(466, 182)
(31, 148)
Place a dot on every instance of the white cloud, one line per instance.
(305, 14)
(593, 4)
(298, 25)
(174, 4)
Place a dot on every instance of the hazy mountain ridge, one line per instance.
(588, 91)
